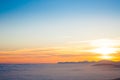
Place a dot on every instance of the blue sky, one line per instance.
(47, 23)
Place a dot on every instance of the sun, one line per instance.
(105, 47)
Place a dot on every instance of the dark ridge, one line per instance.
(75, 62)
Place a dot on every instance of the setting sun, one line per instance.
(104, 47)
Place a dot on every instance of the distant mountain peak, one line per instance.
(106, 62)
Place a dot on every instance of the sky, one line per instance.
(49, 31)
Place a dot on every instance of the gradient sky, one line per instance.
(35, 30)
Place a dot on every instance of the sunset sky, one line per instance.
(50, 31)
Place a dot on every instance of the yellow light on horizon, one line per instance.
(105, 47)
(107, 57)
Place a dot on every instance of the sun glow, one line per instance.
(105, 47)
(106, 57)
(104, 50)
